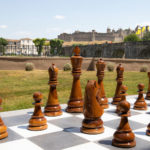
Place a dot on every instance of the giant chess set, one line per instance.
(93, 122)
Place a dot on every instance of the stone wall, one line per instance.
(130, 50)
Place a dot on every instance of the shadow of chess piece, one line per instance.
(38, 121)
(140, 103)
(92, 123)
(100, 65)
(52, 107)
(75, 103)
(3, 128)
(124, 137)
(148, 91)
(123, 94)
(119, 79)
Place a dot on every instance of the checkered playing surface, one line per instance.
(64, 131)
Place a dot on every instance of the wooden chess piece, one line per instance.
(52, 107)
(38, 121)
(148, 91)
(92, 123)
(100, 65)
(124, 137)
(75, 103)
(123, 94)
(119, 79)
(140, 103)
(3, 128)
(148, 130)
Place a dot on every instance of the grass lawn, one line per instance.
(17, 87)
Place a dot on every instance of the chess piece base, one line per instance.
(3, 132)
(116, 100)
(52, 111)
(74, 109)
(104, 103)
(139, 108)
(37, 128)
(92, 130)
(3, 135)
(147, 97)
(53, 114)
(123, 144)
(148, 132)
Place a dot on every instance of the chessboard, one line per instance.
(63, 132)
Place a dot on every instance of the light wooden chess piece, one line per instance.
(92, 123)
(75, 103)
(140, 103)
(119, 79)
(52, 107)
(3, 128)
(148, 91)
(37, 121)
(124, 137)
(148, 130)
(100, 65)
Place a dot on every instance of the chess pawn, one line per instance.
(92, 123)
(3, 128)
(52, 107)
(100, 65)
(140, 103)
(38, 121)
(148, 92)
(124, 137)
(119, 79)
(75, 103)
(123, 94)
(148, 130)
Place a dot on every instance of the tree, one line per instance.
(3, 43)
(132, 38)
(146, 36)
(39, 44)
(56, 44)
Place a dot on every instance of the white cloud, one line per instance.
(3, 26)
(59, 17)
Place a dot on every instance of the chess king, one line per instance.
(75, 103)
(52, 107)
(100, 65)
(3, 128)
(92, 123)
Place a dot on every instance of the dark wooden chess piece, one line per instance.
(148, 130)
(52, 107)
(140, 103)
(119, 79)
(148, 91)
(3, 128)
(92, 123)
(37, 121)
(75, 103)
(100, 65)
(123, 94)
(124, 137)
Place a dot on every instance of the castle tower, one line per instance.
(108, 30)
(93, 35)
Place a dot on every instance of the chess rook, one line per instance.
(124, 137)
(75, 103)
(119, 79)
(100, 65)
(92, 123)
(37, 121)
(148, 91)
(3, 128)
(140, 103)
(52, 107)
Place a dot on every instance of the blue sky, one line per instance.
(48, 18)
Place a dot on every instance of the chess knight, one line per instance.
(92, 123)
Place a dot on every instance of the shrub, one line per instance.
(29, 66)
(110, 67)
(67, 67)
(144, 68)
(132, 38)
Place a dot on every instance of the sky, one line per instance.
(49, 18)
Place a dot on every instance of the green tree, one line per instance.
(39, 43)
(132, 38)
(146, 36)
(56, 44)
(3, 43)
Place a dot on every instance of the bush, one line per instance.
(29, 66)
(67, 67)
(110, 67)
(132, 38)
(144, 68)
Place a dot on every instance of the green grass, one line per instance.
(17, 87)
